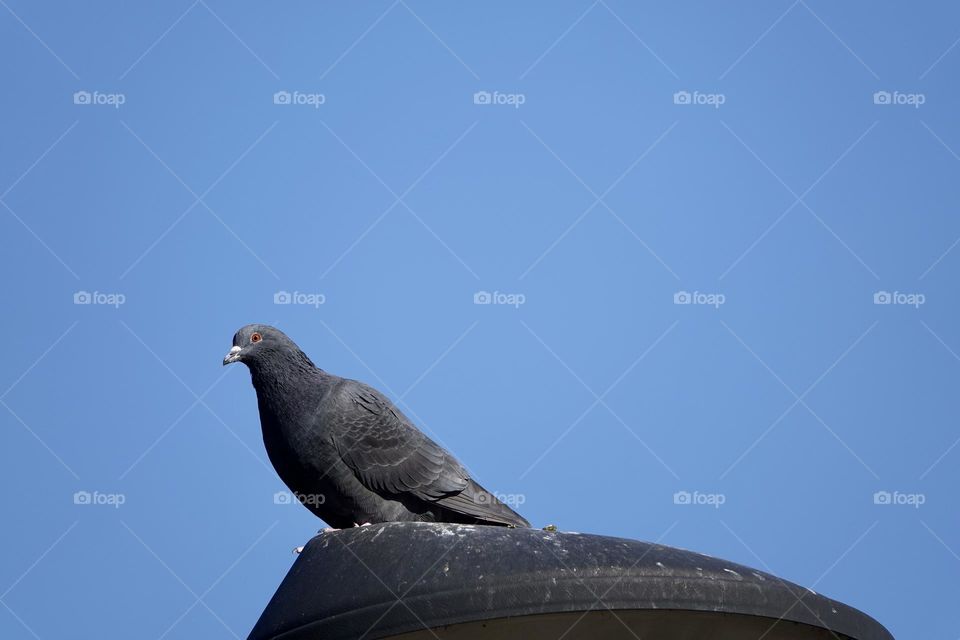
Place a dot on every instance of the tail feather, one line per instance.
(477, 502)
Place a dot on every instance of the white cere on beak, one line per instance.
(232, 356)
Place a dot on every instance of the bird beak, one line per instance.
(233, 356)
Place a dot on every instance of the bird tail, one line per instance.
(483, 507)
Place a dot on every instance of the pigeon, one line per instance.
(347, 452)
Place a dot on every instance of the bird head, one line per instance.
(255, 342)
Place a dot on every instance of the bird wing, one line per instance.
(388, 453)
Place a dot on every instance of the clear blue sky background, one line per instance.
(598, 199)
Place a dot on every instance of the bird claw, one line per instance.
(365, 524)
(328, 530)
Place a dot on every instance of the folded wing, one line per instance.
(390, 455)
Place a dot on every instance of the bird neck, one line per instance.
(287, 389)
(280, 372)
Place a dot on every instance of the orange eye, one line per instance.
(256, 337)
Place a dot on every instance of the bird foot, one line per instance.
(365, 524)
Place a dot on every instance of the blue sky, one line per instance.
(719, 243)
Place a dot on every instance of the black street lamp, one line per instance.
(459, 582)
